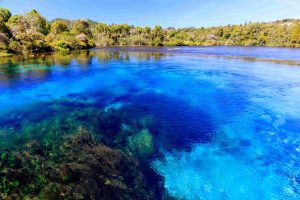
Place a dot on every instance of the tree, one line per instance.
(28, 33)
(102, 28)
(101, 35)
(30, 41)
(4, 41)
(157, 36)
(58, 27)
(17, 24)
(81, 26)
(295, 36)
(5, 14)
(3, 27)
(15, 19)
(37, 22)
(33, 33)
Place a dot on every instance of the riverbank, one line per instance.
(33, 33)
(286, 56)
(5, 54)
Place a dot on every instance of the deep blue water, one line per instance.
(226, 119)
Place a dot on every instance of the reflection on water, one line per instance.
(39, 67)
(191, 123)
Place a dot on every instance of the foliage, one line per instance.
(295, 37)
(58, 27)
(65, 35)
(36, 22)
(3, 27)
(5, 14)
(4, 41)
(81, 26)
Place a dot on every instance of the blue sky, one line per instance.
(168, 13)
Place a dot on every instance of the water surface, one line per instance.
(223, 122)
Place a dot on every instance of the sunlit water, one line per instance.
(230, 116)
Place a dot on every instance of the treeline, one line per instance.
(32, 33)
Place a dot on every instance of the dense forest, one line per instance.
(31, 33)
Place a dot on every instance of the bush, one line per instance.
(63, 51)
(15, 46)
(30, 41)
(60, 44)
(157, 42)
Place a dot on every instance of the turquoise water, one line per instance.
(225, 121)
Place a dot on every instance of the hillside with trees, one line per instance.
(32, 33)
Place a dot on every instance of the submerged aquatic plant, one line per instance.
(75, 167)
(141, 143)
(108, 159)
(133, 128)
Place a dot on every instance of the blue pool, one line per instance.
(213, 122)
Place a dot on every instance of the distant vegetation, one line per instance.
(31, 33)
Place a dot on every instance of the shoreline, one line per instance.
(7, 55)
(276, 55)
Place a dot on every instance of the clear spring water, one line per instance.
(232, 114)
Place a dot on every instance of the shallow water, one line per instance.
(225, 121)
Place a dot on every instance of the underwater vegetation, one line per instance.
(174, 123)
(74, 167)
(110, 158)
(142, 143)
(136, 127)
